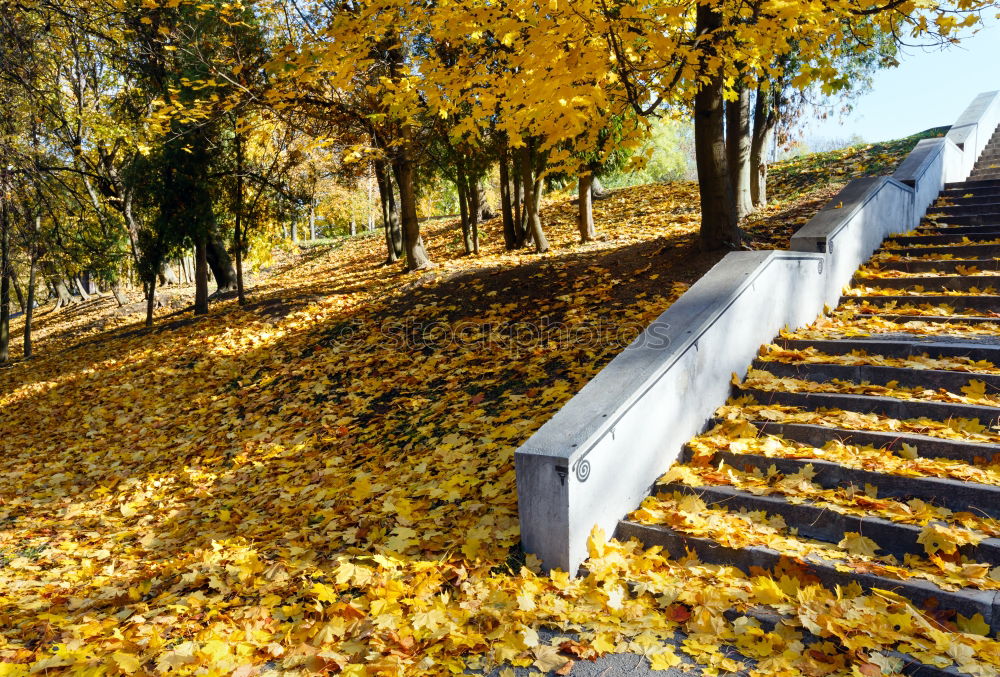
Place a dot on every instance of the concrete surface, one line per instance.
(598, 456)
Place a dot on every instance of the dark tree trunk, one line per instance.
(218, 259)
(518, 199)
(29, 308)
(506, 207)
(475, 211)
(4, 277)
(719, 226)
(201, 276)
(738, 143)
(485, 210)
(416, 255)
(150, 299)
(18, 292)
(462, 187)
(585, 218)
(390, 213)
(532, 198)
(764, 122)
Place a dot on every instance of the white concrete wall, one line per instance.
(932, 164)
(597, 458)
(852, 226)
(973, 129)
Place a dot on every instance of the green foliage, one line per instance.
(667, 156)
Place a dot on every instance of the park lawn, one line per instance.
(323, 481)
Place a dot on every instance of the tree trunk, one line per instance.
(402, 165)
(764, 121)
(518, 199)
(312, 221)
(238, 224)
(485, 211)
(201, 276)
(218, 259)
(719, 229)
(462, 188)
(81, 290)
(4, 277)
(167, 275)
(532, 197)
(585, 219)
(63, 297)
(295, 231)
(738, 143)
(509, 232)
(120, 297)
(390, 213)
(18, 292)
(475, 211)
(150, 299)
(29, 308)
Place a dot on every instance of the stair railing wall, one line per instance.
(600, 455)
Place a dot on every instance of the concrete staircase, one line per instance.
(878, 421)
(988, 165)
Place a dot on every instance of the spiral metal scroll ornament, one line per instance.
(582, 470)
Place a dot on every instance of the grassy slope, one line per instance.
(220, 478)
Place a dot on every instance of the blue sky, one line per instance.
(928, 89)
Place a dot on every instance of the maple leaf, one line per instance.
(664, 659)
(975, 390)
(975, 625)
(856, 544)
(937, 537)
(547, 658)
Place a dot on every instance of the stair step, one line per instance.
(958, 185)
(823, 524)
(950, 229)
(942, 266)
(769, 620)
(966, 601)
(959, 251)
(982, 235)
(976, 192)
(877, 404)
(966, 208)
(982, 218)
(910, 347)
(952, 381)
(982, 303)
(935, 319)
(932, 282)
(947, 493)
(814, 435)
(959, 201)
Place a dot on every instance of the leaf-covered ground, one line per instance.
(324, 481)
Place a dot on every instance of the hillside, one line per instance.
(323, 481)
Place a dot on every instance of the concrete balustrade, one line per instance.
(597, 458)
